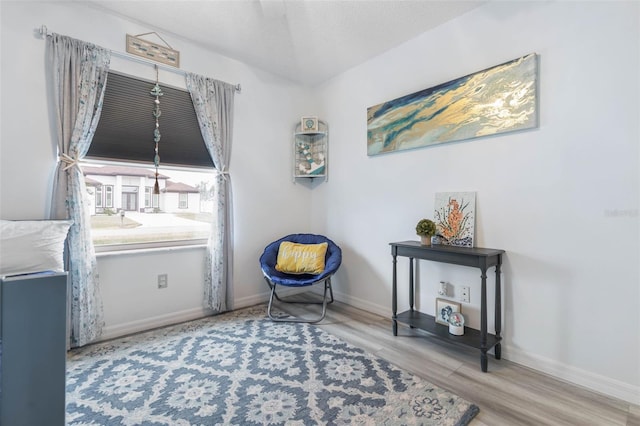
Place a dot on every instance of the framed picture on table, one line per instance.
(309, 124)
(444, 309)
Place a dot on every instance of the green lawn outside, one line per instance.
(113, 221)
(200, 217)
(114, 229)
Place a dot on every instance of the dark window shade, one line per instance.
(125, 129)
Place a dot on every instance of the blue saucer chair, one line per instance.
(274, 278)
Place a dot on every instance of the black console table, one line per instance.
(476, 257)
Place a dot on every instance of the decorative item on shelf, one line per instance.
(436, 240)
(456, 324)
(310, 148)
(157, 92)
(444, 309)
(443, 288)
(425, 229)
(309, 124)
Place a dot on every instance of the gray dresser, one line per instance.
(33, 349)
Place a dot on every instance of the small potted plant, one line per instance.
(426, 229)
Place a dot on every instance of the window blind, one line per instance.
(125, 128)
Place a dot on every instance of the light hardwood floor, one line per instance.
(508, 394)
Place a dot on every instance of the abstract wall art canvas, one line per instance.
(455, 216)
(496, 100)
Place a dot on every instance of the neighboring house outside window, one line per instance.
(181, 197)
(121, 186)
(125, 210)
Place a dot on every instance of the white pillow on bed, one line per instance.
(29, 246)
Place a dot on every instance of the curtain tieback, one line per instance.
(224, 173)
(69, 161)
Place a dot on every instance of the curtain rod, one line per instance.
(44, 32)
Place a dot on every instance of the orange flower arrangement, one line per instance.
(452, 221)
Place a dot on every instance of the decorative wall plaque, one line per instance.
(153, 51)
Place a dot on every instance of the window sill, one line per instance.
(127, 249)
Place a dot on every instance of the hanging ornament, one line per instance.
(157, 92)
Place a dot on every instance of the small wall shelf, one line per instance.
(311, 152)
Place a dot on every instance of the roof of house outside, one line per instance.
(179, 187)
(120, 171)
(91, 182)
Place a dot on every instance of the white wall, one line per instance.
(266, 204)
(562, 200)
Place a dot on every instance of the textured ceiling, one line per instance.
(307, 41)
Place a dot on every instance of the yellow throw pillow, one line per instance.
(294, 258)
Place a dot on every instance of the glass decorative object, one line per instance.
(156, 92)
(456, 324)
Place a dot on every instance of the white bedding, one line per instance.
(31, 246)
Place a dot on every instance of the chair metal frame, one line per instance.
(324, 303)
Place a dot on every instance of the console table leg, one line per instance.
(412, 289)
(483, 319)
(498, 307)
(394, 295)
(411, 284)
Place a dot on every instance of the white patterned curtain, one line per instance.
(78, 73)
(213, 103)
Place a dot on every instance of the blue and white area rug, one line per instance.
(242, 369)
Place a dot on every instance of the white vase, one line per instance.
(425, 240)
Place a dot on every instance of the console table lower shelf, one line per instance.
(471, 336)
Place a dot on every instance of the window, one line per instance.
(183, 200)
(120, 165)
(147, 196)
(125, 128)
(99, 196)
(108, 196)
(150, 199)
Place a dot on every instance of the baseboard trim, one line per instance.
(567, 373)
(576, 376)
(118, 330)
(365, 305)
(245, 302)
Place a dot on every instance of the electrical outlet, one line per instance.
(464, 294)
(163, 281)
